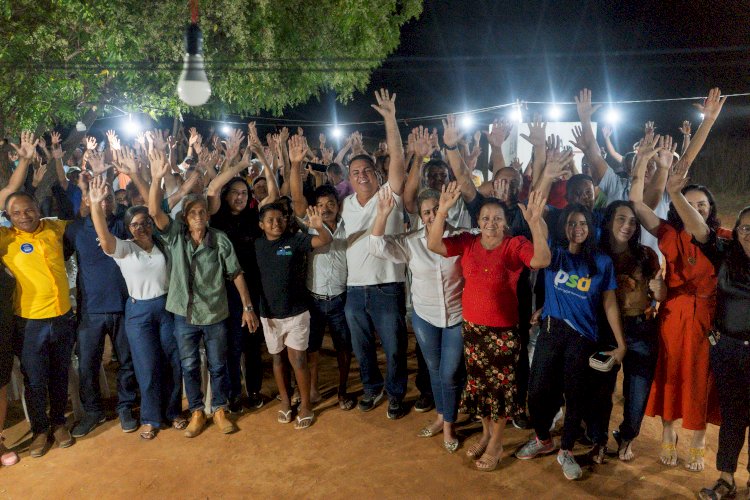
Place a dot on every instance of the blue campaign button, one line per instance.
(27, 248)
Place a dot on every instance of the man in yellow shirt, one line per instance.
(32, 249)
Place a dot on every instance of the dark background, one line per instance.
(462, 55)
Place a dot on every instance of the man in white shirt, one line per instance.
(376, 297)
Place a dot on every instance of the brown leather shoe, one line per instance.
(222, 422)
(63, 437)
(39, 444)
(197, 422)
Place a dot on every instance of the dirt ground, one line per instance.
(344, 454)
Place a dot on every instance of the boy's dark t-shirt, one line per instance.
(282, 265)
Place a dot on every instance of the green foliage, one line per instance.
(59, 57)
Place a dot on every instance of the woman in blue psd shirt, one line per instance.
(578, 282)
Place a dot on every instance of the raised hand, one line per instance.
(712, 104)
(649, 128)
(38, 175)
(283, 135)
(54, 138)
(471, 160)
(434, 142)
(657, 286)
(113, 141)
(422, 146)
(297, 148)
(649, 146)
(90, 143)
(160, 142)
(451, 135)
(28, 145)
(501, 188)
(448, 197)
(578, 140)
(96, 162)
(537, 130)
(386, 105)
(194, 136)
(515, 164)
(533, 212)
(666, 149)
(233, 143)
(322, 140)
(685, 128)
(553, 143)
(607, 131)
(126, 162)
(327, 155)
(98, 190)
(556, 161)
(676, 180)
(140, 139)
(159, 165)
(386, 202)
(314, 219)
(584, 106)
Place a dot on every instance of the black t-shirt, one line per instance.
(733, 291)
(242, 230)
(282, 265)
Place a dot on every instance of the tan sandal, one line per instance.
(476, 451)
(668, 453)
(487, 463)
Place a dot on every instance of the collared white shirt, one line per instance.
(363, 267)
(145, 272)
(436, 282)
(458, 217)
(326, 266)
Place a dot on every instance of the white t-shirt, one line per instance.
(145, 272)
(363, 267)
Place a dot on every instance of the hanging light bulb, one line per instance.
(193, 87)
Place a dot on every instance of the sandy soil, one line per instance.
(344, 454)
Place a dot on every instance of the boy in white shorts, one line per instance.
(284, 303)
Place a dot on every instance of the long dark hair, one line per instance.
(636, 250)
(738, 264)
(589, 248)
(713, 219)
(130, 214)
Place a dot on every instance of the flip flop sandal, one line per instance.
(347, 403)
(476, 451)
(426, 432)
(451, 446)
(179, 423)
(148, 434)
(487, 463)
(304, 422)
(669, 453)
(284, 417)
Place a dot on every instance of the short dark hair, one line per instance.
(271, 207)
(335, 169)
(576, 180)
(326, 190)
(427, 194)
(364, 157)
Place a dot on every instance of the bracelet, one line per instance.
(451, 148)
(248, 308)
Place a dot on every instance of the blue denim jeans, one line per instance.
(44, 347)
(91, 332)
(240, 341)
(214, 338)
(639, 366)
(443, 350)
(156, 359)
(330, 313)
(381, 309)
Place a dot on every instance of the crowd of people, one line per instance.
(180, 248)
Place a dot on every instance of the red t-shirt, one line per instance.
(556, 196)
(490, 277)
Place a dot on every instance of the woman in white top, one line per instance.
(436, 288)
(148, 325)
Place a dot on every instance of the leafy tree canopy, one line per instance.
(59, 58)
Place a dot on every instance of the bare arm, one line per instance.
(386, 106)
(297, 149)
(249, 319)
(460, 170)
(421, 149)
(324, 235)
(25, 154)
(588, 143)
(533, 213)
(448, 198)
(654, 191)
(159, 168)
(607, 133)
(692, 220)
(98, 191)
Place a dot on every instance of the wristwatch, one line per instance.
(451, 148)
(248, 308)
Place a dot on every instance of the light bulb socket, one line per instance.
(193, 39)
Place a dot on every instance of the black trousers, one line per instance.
(559, 367)
(730, 362)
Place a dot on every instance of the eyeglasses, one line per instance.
(141, 225)
(743, 229)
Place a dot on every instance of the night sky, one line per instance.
(470, 54)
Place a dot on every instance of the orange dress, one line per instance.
(683, 385)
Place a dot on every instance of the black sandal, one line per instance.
(721, 489)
